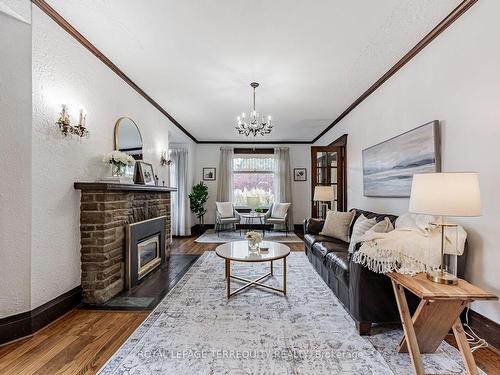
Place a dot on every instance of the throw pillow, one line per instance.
(225, 209)
(338, 224)
(360, 227)
(383, 226)
(280, 210)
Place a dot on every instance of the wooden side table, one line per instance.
(438, 312)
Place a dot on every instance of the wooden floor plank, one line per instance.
(187, 245)
(83, 340)
(90, 358)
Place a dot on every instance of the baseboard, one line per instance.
(299, 228)
(196, 229)
(27, 323)
(485, 328)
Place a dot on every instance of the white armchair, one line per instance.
(278, 215)
(225, 215)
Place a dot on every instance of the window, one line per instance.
(253, 180)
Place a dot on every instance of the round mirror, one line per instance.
(128, 138)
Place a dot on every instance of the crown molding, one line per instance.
(66, 26)
(443, 25)
(256, 142)
(463, 7)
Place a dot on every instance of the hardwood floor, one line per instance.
(187, 245)
(83, 340)
(78, 343)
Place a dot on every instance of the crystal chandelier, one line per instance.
(253, 125)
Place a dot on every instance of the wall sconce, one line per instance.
(65, 127)
(163, 160)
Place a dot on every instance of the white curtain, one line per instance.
(283, 180)
(225, 173)
(179, 199)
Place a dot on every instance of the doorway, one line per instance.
(328, 168)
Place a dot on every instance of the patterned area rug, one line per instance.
(196, 330)
(211, 237)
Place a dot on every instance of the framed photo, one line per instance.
(144, 173)
(208, 174)
(300, 174)
(388, 167)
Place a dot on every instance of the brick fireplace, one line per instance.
(105, 212)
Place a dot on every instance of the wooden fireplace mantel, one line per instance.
(107, 186)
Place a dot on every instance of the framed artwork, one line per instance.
(144, 173)
(208, 174)
(300, 174)
(388, 167)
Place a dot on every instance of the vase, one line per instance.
(118, 170)
(253, 246)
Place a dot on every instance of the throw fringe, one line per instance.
(387, 260)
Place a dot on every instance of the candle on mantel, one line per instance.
(83, 116)
(64, 113)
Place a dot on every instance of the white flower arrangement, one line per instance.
(253, 237)
(118, 158)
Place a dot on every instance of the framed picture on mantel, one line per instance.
(144, 173)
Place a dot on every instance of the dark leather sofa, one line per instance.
(368, 296)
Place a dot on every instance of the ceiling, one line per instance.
(197, 58)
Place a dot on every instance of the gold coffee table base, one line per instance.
(255, 282)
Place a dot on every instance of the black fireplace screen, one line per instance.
(145, 249)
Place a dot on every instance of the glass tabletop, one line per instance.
(238, 251)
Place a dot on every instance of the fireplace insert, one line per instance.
(145, 249)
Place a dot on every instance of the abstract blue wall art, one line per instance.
(388, 167)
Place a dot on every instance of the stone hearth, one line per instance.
(105, 210)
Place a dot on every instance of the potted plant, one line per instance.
(197, 200)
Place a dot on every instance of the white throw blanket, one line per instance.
(408, 250)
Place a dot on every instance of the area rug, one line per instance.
(196, 330)
(210, 236)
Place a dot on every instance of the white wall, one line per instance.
(207, 155)
(65, 72)
(15, 161)
(456, 80)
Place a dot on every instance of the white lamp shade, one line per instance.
(446, 194)
(323, 193)
(253, 202)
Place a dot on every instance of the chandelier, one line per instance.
(253, 125)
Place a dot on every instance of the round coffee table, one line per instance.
(238, 251)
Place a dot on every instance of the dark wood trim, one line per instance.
(298, 228)
(196, 229)
(443, 25)
(256, 142)
(340, 141)
(254, 151)
(27, 323)
(105, 186)
(341, 175)
(66, 26)
(463, 7)
(485, 328)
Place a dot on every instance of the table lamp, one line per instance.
(323, 194)
(253, 203)
(445, 194)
